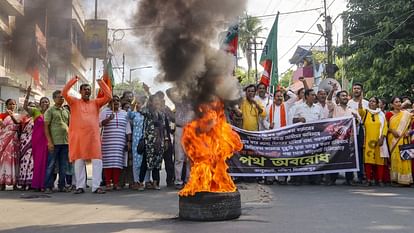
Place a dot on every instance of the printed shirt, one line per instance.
(58, 120)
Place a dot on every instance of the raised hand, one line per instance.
(146, 87)
(335, 87)
(110, 117)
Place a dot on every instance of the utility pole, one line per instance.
(330, 70)
(123, 67)
(344, 42)
(94, 59)
(254, 43)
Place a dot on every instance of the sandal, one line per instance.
(99, 191)
(79, 191)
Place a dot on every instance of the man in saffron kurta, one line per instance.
(84, 135)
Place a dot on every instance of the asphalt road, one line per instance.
(276, 209)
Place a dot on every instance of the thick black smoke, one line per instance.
(184, 36)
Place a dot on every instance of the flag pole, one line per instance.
(94, 59)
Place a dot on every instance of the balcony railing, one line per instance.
(12, 7)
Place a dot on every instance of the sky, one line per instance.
(137, 54)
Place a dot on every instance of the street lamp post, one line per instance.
(136, 68)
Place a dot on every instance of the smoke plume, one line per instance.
(184, 36)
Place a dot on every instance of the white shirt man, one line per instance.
(265, 100)
(308, 111)
(321, 97)
(357, 94)
(274, 118)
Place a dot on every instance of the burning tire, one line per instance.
(208, 206)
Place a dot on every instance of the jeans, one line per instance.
(60, 156)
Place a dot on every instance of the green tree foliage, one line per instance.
(381, 50)
(286, 78)
(245, 80)
(250, 27)
(135, 87)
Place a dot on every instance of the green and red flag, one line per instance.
(231, 40)
(269, 57)
(108, 78)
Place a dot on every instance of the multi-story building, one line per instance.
(65, 36)
(9, 83)
(45, 35)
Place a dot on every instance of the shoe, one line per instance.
(149, 185)
(284, 182)
(269, 180)
(134, 186)
(48, 191)
(330, 183)
(141, 187)
(156, 185)
(79, 191)
(368, 183)
(179, 186)
(348, 183)
(99, 191)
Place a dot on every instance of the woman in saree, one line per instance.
(26, 156)
(399, 122)
(9, 145)
(39, 141)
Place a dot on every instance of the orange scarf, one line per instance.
(282, 114)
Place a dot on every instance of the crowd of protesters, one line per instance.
(47, 145)
(381, 128)
(128, 138)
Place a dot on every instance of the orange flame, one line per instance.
(208, 142)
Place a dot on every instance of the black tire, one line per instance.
(206, 206)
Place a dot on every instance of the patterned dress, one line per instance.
(9, 152)
(114, 138)
(154, 136)
(26, 159)
(137, 120)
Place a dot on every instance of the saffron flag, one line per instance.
(231, 40)
(269, 57)
(108, 78)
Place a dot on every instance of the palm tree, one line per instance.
(249, 29)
